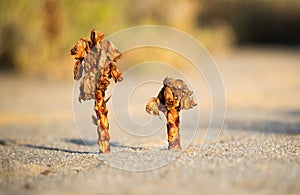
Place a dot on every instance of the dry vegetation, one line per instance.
(34, 35)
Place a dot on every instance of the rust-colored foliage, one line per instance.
(173, 97)
(96, 63)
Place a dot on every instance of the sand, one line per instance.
(257, 152)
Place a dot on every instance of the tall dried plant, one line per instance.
(96, 63)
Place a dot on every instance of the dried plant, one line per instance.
(96, 63)
(173, 97)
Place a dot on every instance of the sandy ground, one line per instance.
(257, 152)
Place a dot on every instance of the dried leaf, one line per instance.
(80, 49)
(174, 95)
(91, 61)
(78, 70)
(96, 37)
(152, 106)
(87, 87)
(116, 74)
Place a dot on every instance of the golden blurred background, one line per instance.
(36, 36)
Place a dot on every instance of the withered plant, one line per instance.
(172, 98)
(96, 63)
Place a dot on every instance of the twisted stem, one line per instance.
(173, 129)
(102, 122)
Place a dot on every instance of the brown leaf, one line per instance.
(174, 95)
(96, 37)
(115, 72)
(91, 61)
(152, 106)
(80, 49)
(77, 70)
(87, 87)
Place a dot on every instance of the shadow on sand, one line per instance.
(84, 142)
(10, 142)
(57, 149)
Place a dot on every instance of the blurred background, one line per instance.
(35, 36)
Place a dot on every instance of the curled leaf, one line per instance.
(96, 37)
(152, 106)
(116, 74)
(80, 49)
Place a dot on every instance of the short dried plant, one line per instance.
(172, 98)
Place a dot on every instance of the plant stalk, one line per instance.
(102, 122)
(173, 129)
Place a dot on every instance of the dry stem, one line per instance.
(173, 129)
(102, 122)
